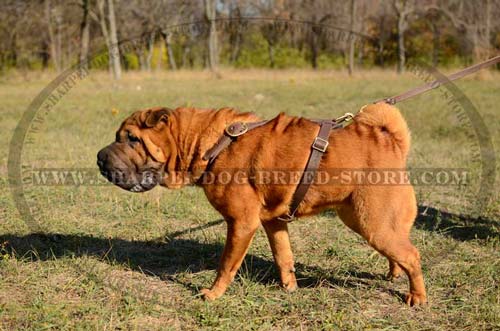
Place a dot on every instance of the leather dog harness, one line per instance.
(320, 143)
(318, 148)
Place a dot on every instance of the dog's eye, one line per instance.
(132, 138)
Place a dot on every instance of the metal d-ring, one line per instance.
(236, 129)
(344, 118)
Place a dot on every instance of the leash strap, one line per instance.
(318, 148)
(438, 82)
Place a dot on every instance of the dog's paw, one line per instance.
(391, 276)
(290, 287)
(209, 295)
(414, 299)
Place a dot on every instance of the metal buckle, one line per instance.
(240, 126)
(390, 101)
(322, 146)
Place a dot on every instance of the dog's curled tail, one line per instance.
(388, 119)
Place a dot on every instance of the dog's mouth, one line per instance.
(132, 181)
(148, 180)
(118, 164)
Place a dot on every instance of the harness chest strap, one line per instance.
(318, 148)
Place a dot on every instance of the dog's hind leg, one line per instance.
(384, 216)
(388, 215)
(407, 256)
(277, 233)
(348, 215)
(395, 270)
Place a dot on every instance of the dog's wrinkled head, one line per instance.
(136, 160)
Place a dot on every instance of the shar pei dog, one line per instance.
(160, 146)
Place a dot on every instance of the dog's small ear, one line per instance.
(154, 116)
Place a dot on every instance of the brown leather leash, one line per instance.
(320, 143)
(438, 82)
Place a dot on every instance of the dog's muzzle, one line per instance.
(118, 162)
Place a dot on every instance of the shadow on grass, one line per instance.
(168, 259)
(459, 227)
(170, 256)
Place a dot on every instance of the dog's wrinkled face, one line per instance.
(136, 160)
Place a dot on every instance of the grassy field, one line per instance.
(107, 259)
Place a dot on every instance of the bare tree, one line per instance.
(272, 31)
(210, 15)
(383, 22)
(113, 38)
(152, 17)
(473, 20)
(235, 32)
(167, 38)
(107, 22)
(84, 34)
(317, 13)
(145, 53)
(30, 33)
(435, 22)
(352, 40)
(361, 23)
(54, 20)
(58, 32)
(403, 9)
(9, 28)
(161, 16)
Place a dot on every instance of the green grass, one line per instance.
(108, 259)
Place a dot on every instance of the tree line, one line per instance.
(352, 34)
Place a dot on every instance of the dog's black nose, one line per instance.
(101, 157)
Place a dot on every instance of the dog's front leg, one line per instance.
(277, 233)
(239, 236)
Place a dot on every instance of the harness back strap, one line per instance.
(318, 148)
(231, 132)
